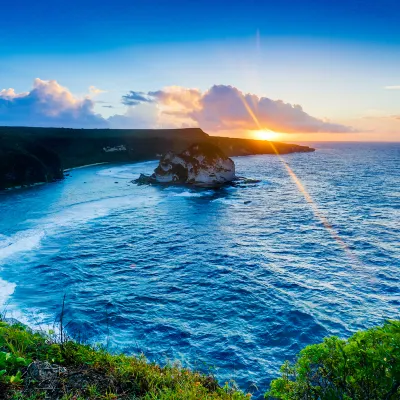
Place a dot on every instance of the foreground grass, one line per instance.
(33, 366)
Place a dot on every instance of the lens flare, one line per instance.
(304, 191)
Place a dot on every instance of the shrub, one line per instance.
(93, 373)
(364, 367)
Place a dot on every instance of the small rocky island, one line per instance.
(202, 164)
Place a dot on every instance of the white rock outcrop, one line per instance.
(109, 149)
(201, 164)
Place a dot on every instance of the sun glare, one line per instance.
(265, 134)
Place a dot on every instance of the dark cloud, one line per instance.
(135, 98)
(108, 106)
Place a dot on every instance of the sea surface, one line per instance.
(203, 276)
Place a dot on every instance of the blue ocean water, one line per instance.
(200, 276)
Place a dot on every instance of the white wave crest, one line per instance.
(187, 194)
(22, 241)
(6, 290)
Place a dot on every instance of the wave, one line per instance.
(67, 218)
(6, 290)
(187, 194)
(129, 171)
(22, 241)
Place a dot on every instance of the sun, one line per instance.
(265, 134)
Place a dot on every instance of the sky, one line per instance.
(291, 70)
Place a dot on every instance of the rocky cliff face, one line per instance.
(202, 164)
(26, 163)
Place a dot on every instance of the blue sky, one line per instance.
(334, 58)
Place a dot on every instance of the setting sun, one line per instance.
(265, 134)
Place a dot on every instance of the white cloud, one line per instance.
(94, 90)
(221, 108)
(227, 108)
(394, 87)
(143, 116)
(48, 104)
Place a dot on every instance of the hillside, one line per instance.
(31, 155)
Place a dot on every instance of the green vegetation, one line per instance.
(364, 367)
(36, 366)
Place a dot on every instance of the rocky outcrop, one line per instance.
(202, 164)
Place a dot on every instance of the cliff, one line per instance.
(31, 155)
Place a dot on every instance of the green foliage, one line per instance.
(364, 367)
(10, 365)
(22, 342)
(108, 376)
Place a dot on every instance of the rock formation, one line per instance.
(202, 164)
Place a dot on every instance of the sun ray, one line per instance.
(328, 226)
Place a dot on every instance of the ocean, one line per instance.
(232, 281)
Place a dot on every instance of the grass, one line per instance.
(39, 366)
(72, 371)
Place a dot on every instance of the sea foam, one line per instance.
(22, 241)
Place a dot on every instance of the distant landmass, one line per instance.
(33, 155)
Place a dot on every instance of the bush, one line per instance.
(85, 372)
(364, 367)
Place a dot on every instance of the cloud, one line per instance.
(135, 98)
(221, 108)
(395, 87)
(143, 116)
(48, 104)
(94, 90)
(227, 108)
(10, 94)
(380, 115)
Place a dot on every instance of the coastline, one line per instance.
(31, 155)
(23, 186)
(85, 166)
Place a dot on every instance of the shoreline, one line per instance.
(31, 155)
(23, 186)
(120, 162)
(85, 166)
